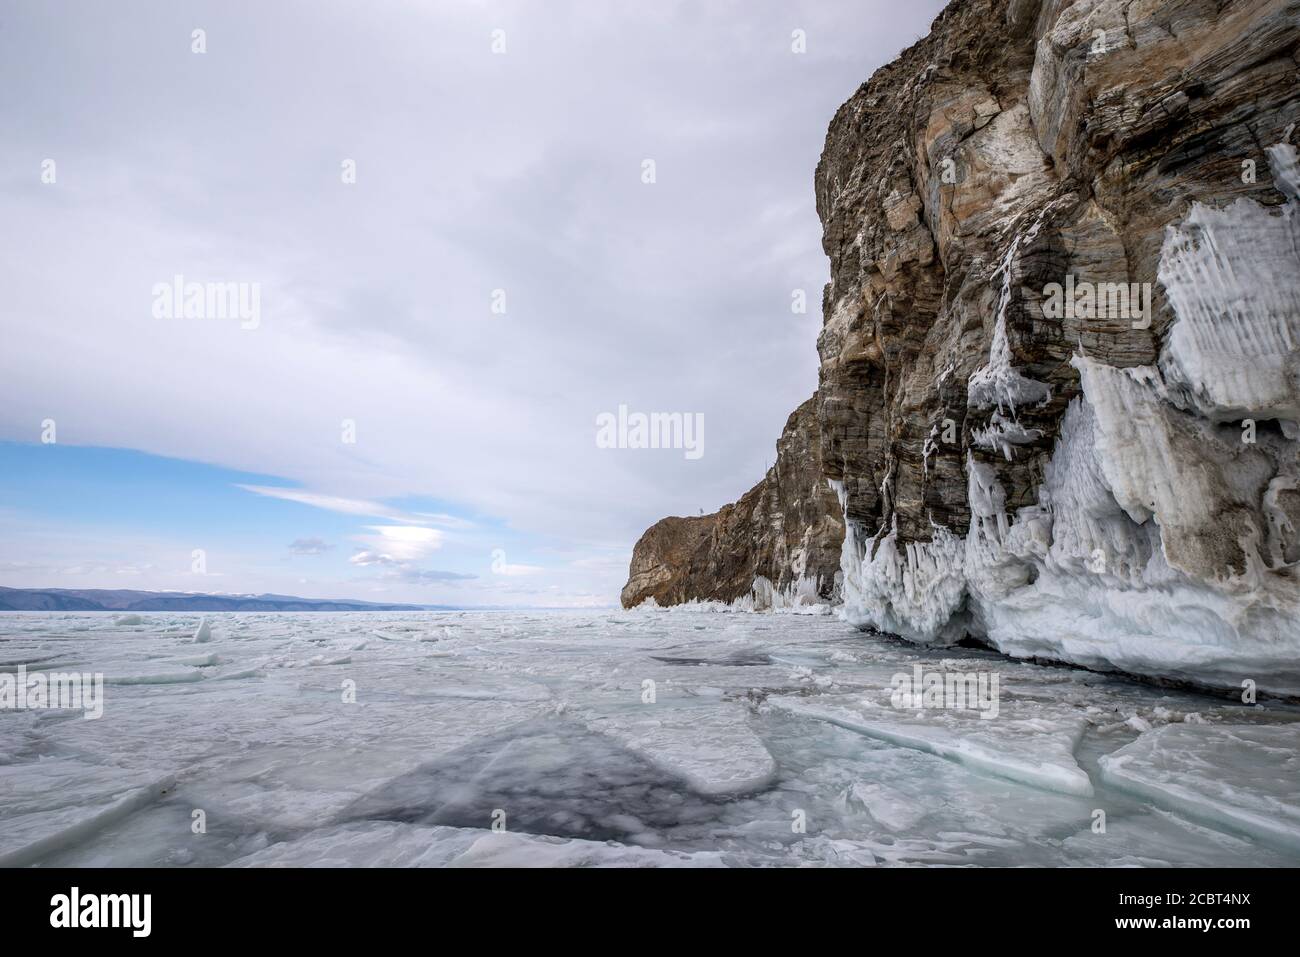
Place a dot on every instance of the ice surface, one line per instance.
(1243, 778)
(405, 845)
(1034, 745)
(710, 746)
(59, 802)
(603, 738)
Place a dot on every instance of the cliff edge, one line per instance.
(1059, 394)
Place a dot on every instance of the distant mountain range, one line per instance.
(116, 599)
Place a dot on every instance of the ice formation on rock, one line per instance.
(1233, 278)
(1114, 483)
(1160, 544)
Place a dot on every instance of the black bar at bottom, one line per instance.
(333, 907)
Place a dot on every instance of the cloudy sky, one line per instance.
(410, 415)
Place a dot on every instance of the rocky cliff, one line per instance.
(784, 534)
(1060, 382)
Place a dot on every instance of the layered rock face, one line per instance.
(785, 534)
(1060, 362)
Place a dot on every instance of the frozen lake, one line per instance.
(641, 738)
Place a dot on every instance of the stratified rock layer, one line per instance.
(786, 531)
(1111, 481)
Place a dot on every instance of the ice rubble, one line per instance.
(525, 711)
(59, 802)
(1032, 744)
(1159, 545)
(1243, 778)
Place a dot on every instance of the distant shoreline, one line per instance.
(126, 601)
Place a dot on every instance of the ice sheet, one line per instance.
(711, 747)
(1032, 743)
(1238, 777)
(643, 738)
(403, 845)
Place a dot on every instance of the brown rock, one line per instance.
(786, 528)
(1084, 127)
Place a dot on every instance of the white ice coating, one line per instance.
(928, 449)
(799, 596)
(1001, 434)
(999, 384)
(1161, 543)
(1232, 275)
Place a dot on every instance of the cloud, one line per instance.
(309, 546)
(425, 576)
(397, 544)
(515, 570)
(618, 562)
(501, 567)
(355, 506)
(372, 558)
(375, 297)
(398, 547)
(115, 568)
